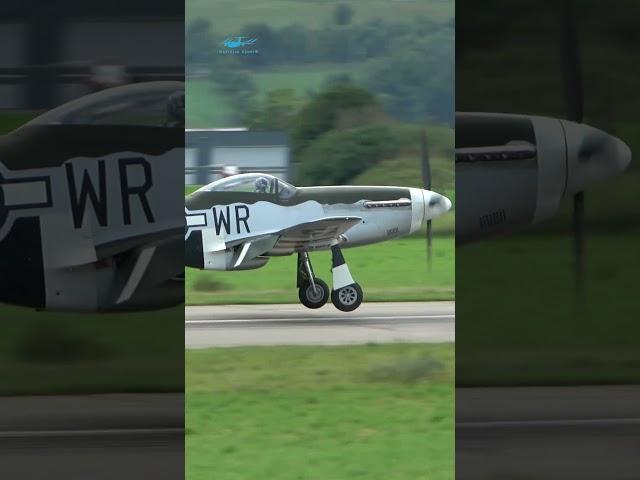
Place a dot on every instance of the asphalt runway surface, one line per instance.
(245, 325)
(589, 432)
(92, 436)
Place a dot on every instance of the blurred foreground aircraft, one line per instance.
(90, 216)
(513, 171)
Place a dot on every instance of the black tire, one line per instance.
(311, 300)
(347, 298)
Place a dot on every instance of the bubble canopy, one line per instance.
(260, 183)
(142, 104)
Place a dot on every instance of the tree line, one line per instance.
(408, 66)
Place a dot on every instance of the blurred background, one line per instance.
(54, 53)
(330, 93)
(321, 93)
(521, 322)
(83, 394)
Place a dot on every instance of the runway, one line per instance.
(92, 436)
(287, 324)
(589, 432)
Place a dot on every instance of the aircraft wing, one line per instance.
(317, 233)
(314, 234)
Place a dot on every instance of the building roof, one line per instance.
(234, 138)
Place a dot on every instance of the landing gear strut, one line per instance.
(312, 292)
(346, 294)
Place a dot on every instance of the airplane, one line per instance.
(513, 171)
(240, 222)
(90, 213)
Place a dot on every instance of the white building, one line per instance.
(208, 152)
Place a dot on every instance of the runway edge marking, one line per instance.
(317, 319)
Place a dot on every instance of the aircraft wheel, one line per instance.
(347, 298)
(314, 299)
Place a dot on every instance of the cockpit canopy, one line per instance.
(260, 183)
(156, 104)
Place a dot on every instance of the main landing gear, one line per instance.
(314, 293)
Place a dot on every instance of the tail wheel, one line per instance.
(313, 298)
(347, 298)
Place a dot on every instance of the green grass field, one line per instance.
(62, 353)
(391, 271)
(535, 329)
(206, 107)
(376, 412)
(303, 79)
(12, 119)
(229, 16)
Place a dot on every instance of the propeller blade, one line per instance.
(574, 104)
(429, 240)
(571, 66)
(578, 239)
(426, 180)
(426, 168)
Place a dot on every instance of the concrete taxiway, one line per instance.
(245, 325)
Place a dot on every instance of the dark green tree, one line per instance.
(199, 43)
(339, 156)
(266, 44)
(342, 14)
(323, 112)
(418, 84)
(237, 85)
(277, 112)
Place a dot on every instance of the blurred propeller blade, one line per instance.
(429, 244)
(426, 168)
(574, 104)
(578, 238)
(426, 180)
(571, 66)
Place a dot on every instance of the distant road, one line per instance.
(238, 325)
